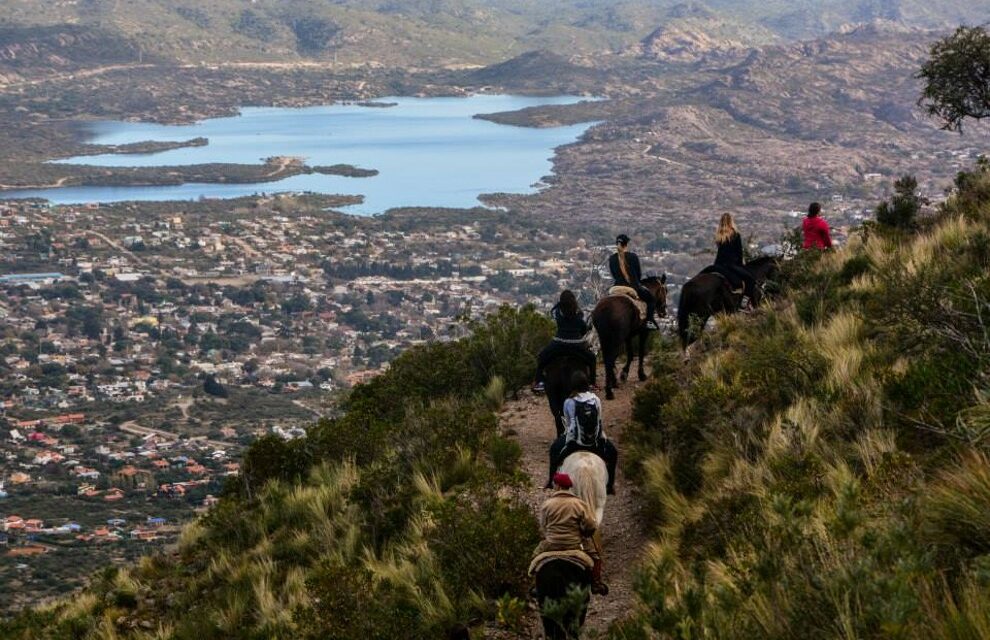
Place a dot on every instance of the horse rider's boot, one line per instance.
(598, 586)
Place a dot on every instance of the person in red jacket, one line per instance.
(816, 235)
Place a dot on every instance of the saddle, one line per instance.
(630, 293)
(735, 286)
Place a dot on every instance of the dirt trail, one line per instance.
(624, 535)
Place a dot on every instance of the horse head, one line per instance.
(658, 287)
(763, 268)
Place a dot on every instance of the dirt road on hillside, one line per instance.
(529, 421)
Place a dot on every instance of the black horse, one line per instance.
(617, 322)
(708, 294)
(554, 579)
(558, 384)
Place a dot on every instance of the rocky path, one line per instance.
(528, 420)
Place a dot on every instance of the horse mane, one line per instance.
(652, 279)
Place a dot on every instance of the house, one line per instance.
(27, 550)
(13, 523)
(33, 525)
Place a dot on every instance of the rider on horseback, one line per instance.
(626, 272)
(569, 340)
(583, 430)
(569, 525)
(729, 258)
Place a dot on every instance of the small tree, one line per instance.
(957, 78)
(213, 387)
(902, 209)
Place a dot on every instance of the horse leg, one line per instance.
(610, 383)
(629, 358)
(643, 337)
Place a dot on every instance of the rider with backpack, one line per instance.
(583, 430)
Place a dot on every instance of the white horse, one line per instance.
(590, 477)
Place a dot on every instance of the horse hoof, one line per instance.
(624, 376)
(642, 377)
(609, 395)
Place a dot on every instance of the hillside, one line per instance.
(820, 470)
(446, 32)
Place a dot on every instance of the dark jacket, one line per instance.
(632, 266)
(730, 252)
(569, 327)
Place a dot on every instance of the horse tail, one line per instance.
(684, 312)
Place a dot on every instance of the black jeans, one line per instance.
(557, 348)
(560, 449)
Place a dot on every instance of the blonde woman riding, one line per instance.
(729, 257)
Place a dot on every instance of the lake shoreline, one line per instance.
(308, 137)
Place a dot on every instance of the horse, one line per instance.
(708, 294)
(617, 322)
(558, 385)
(556, 578)
(555, 581)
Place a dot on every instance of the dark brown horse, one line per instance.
(563, 591)
(558, 376)
(708, 294)
(617, 322)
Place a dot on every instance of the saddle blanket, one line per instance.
(574, 556)
(630, 293)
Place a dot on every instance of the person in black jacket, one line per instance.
(571, 330)
(729, 258)
(626, 272)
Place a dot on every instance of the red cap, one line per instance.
(562, 480)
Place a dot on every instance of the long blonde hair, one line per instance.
(726, 229)
(621, 248)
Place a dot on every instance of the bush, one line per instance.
(483, 546)
(957, 510)
(902, 209)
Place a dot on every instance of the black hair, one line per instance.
(814, 210)
(580, 382)
(622, 239)
(568, 303)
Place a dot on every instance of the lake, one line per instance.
(428, 151)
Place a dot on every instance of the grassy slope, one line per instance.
(820, 470)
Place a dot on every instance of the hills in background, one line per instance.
(426, 32)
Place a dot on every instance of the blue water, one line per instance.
(428, 151)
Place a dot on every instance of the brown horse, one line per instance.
(708, 294)
(617, 322)
(558, 375)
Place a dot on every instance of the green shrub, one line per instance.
(483, 545)
(505, 454)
